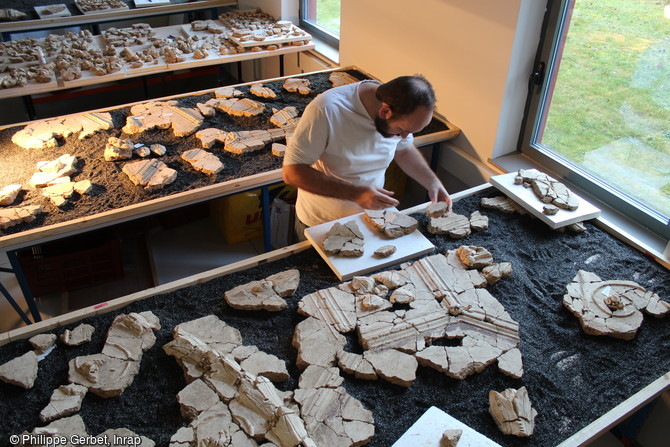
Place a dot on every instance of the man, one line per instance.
(346, 139)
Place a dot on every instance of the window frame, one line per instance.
(539, 86)
(314, 29)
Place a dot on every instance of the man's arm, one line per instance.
(309, 179)
(412, 162)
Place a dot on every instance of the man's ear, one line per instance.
(385, 111)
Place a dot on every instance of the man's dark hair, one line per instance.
(405, 93)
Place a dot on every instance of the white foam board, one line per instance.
(427, 432)
(40, 10)
(147, 3)
(408, 247)
(99, 11)
(529, 201)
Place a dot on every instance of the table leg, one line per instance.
(265, 206)
(281, 65)
(23, 284)
(30, 107)
(11, 301)
(435, 157)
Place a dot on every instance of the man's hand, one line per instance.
(308, 178)
(374, 198)
(438, 193)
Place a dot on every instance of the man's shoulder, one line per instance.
(337, 98)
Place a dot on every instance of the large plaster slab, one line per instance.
(527, 199)
(428, 429)
(409, 246)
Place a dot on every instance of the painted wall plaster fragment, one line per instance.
(503, 204)
(150, 174)
(203, 161)
(278, 149)
(262, 91)
(333, 417)
(385, 251)
(228, 92)
(163, 115)
(45, 133)
(446, 300)
(119, 149)
(14, 216)
(455, 225)
(286, 116)
(317, 343)
(243, 141)
(344, 240)
(390, 223)
(611, 308)
(229, 404)
(437, 209)
(300, 85)
(20, 371)
(355, 364)
(510, 363)
(474, 257)
(478, 221)
(42, 342)
(48, 172)
(73, 426)
(110, 372)
(393, 366)
(238, 106)
(8, 194)
(495, 272)
(339, 78)
(78, 336)
(547, 189)
(450, 437)
(65, 401)
(512, 411)
(264, 294)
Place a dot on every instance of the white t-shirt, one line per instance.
(336, 136)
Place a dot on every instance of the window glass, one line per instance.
(604, 109)
(321, 17)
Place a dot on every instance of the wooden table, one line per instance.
(263, 180)
(21, 26)
(126, 72)
(582, 437)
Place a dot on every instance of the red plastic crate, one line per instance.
(54, 273)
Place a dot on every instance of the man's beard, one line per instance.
(382, 127)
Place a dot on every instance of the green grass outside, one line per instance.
(614, 80)
(328, 15)
(596, 100)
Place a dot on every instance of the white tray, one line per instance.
(408, 246)
(427, 432)
(100, 11)
(40, 12)
(529, 201)
(148, 3)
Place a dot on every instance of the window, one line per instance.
(322, 19)
(601, 107)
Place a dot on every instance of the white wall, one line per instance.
(465, 48)
(478, 55)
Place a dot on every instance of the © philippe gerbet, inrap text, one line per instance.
(54, 440)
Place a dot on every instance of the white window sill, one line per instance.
(327, 51)
(613, 222)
